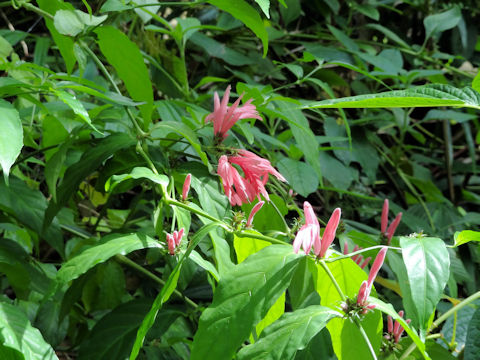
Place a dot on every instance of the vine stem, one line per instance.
(454, 309)
(125, 260)
(334, 281)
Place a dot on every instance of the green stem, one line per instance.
(260, 237)
(149, 162)
(341, 257)
(39, 11)
(454, 309)
(334, 281)
(105, 72)
(125, 260)
(191, 209)
(365, 336)
(287, 228)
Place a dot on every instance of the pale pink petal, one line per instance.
(186, 187)
(362, 294)
(377, 264)
(255, 209)
(329, 233)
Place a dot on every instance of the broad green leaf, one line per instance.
(5, 48)
(345, 335)
(182, 130)
(421, 96)
(472, 345)
(389, 310)
(65, 44)
(72, 23)
(110, 246)
(438, 23)
(292, 332)
(265, 6)
(242, 11)
(427, 265)
(243, 297)
(18, 334)
(465, 236)
(127, 60)
(244, 247)
(88, 163)
(168, 288)
(206, 265)
(476, 82)
(268, 218)
(301, 290)
(137, 173)
(300, 176)
(76, 105)
(143, 11)
(11, 136)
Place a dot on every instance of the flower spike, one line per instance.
(255, 209)
(186, 187)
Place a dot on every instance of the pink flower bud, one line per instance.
(365, 263)
(393, 227)
(255, 209)
(329, 233)
(362, 294)
(384, 222)
(171, 244)
(345, 248)
(390, 324)
(186, 187)
(377, 264)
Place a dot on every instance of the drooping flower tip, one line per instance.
(186, 187)
(366, 286)
(309, 233)
(224, 117)
(255, 209)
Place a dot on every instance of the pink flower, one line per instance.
(255, 209)
(186, 187)
(395, 331)
(173, 240)
(366, 286)
(224, 117)
(388, 233)
(358, 259)
(256, 170)
(320, 247)
(308, 233)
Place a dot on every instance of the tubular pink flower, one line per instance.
(357, 259)
(237, 189)
(384, 222)
(395, 331)
(224, 117)
(328, 235)
(390, 324)
(308, 233)
(377, 264)
(255, 209)
(362, 294)
(171, 244)
(393, 226)
(365, 262)
(186, 187)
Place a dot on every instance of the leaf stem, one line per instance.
(260, 237)
(454, 309)
(365, 336)
(125, 260)
(334, 281)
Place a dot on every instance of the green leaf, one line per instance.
(242, 11)
(110, 246)
(300, 176)
(88, 163)
(18, 334)
(5, 48)
(389, 34)
(168, 288)
(389, 310)
(440, 22)
(182, 130)
(11, 136)
(427, 265)
(137, 173)
(265, 6)
(127, 60)
(465, 236)
(65, 44)
(292, 332)
(243, 297)
(472, 345)
(476, 83)
(76, 106)
(421, 96)
(345, 335)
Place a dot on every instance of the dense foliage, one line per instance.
(239, 179)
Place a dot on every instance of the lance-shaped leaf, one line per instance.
(277, 341)
(428, 267)
(109, 247)
(243, 297)
(421, 96)
(11, 136)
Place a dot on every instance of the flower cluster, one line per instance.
(173, 240)
(388, 232)
(358, 259)
(224, 117)
(240, 189)
(309, 234)
(395, 331)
